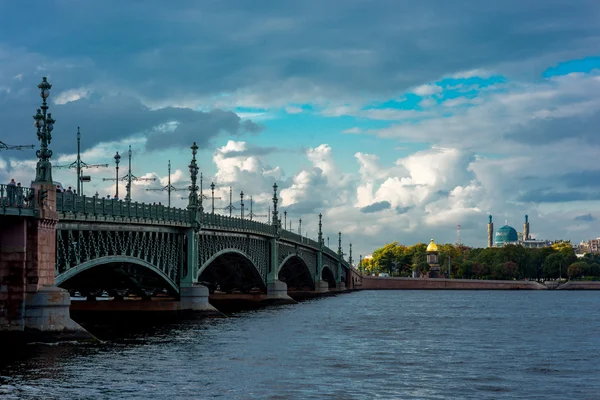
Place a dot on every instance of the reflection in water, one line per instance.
(400, 344)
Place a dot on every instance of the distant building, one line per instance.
(508, 235)
(594, 245)
(432, 260)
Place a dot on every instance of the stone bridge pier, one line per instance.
(31, 306)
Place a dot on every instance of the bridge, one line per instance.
(54, 246)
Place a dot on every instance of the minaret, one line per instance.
(490, 232)
(526, 228)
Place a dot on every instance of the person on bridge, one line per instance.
(10, 192)
(69, 190)
(116, 197)
(19, 195)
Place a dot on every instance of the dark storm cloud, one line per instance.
(376, 207)
(253, 151)
(585, 217)
(115, 118)
(557, 197)
(551, 130)
(164, 49)
(403, 210)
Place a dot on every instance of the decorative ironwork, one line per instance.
(162, 249)
(255, 248)
(284, 250)
(331, 263)
(309, 256)
(44, 124)
(275, 220)
(93, 208)
(193, 196)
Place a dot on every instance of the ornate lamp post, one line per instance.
(285, 219)
(193, 195)
(320, 231)
(350, 256)
(212, 196)
(300, 227)
(340, 244)
(201, 195)
(275, 220)
(117, 158)
(44, 124)
(242, 204)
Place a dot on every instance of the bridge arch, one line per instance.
(72, 272)
(328, 276)
(230, 269)
(294, 271)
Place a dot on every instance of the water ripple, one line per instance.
(388, 345)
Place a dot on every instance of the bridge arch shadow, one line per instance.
(327, 276)
(295, 273)
(231, 270)
(117, 275)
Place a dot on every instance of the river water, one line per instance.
(362, 345)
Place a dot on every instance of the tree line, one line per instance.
(508, 262)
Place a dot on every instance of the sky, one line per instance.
(397, 120)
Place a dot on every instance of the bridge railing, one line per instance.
(294, 237)
(71, 203)
(220, 221)
(16, 196)
(330, 252)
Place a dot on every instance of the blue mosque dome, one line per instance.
(505, 234)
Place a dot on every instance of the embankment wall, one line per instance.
(580, 285)
(377, 283)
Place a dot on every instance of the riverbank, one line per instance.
(580, 285)
(379, 283)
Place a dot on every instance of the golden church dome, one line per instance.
(432, 247)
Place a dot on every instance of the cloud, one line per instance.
(352, 130)
(427, 90)
(490, 134)
(71, 95)
(585, 217)
(376, 207)
(111, 118)
(293, 110)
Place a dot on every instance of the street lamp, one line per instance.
(44, 124)
(300, 227)
(242, 204)
(212, 196)
(285, 219)
(117, 158)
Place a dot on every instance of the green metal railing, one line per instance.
(219, 221)
(16, 199)
(71, 203)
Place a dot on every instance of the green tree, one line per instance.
(555, 266)
(510, 269)
(595, 269)
(479, 270)
(577, 269)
